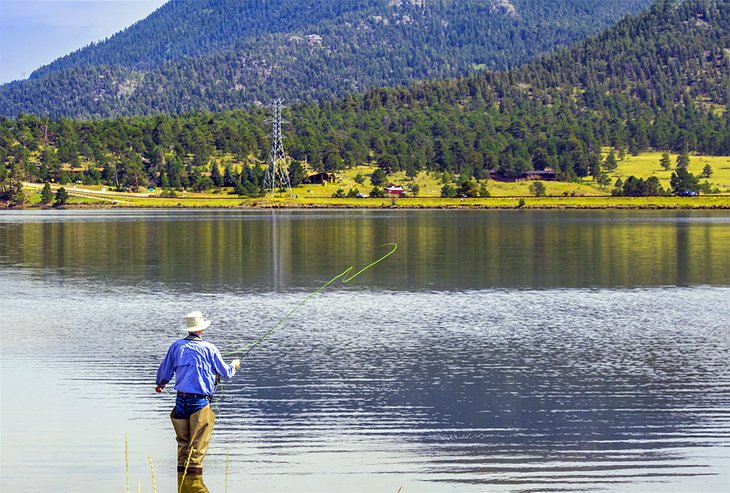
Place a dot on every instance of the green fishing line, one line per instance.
(344, 276)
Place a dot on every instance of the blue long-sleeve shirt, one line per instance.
(195, 363)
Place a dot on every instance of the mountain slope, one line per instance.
(221, 54)
(187, 28)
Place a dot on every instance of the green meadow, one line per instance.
(429, 184)
(647, 164)
(579, 194)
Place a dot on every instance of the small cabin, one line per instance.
(394, 191)
(547, 175)
(314, 39)
(320, 178)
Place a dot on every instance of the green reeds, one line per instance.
(226, 482)
(185, 472)
(126, 467)
(152, 469)
(126, 458)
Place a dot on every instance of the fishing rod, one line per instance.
(344, 276)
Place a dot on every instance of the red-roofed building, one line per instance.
(394, 191)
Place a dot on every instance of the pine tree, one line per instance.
(378, 177)
(229, 180)
(611, 164)
(706, 171)
(682, 180)
(61, 197)
(665, 162)
(215, 175)
(11, 186)
(46, 194)
(537, 188)
(603, 180)
(296, 173)
(683, 159)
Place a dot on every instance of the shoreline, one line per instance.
(84, 198)
(495, 203)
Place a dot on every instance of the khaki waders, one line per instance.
(193, 432)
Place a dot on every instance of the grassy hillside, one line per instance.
(429, 183)
(647, 164)
(642, 166)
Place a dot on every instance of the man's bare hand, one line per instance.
(236, 363)
(158, 389)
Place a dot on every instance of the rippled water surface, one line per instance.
(495, 351)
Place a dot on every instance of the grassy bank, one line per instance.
(82, 197)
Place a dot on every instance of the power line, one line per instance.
(277, 172)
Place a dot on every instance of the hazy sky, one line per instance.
(36, 32)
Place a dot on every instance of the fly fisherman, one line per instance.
(196, 365)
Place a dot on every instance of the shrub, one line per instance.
(483, 191)
(61, 197)
(537, 188)
(448, 191)
(377, 193)
(468, 188)
(378, 177)
(46, 194)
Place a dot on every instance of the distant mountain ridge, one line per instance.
(214, 55)
(182, 28)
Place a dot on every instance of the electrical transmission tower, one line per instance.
(277, 173)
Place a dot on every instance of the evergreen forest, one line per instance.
(215, 55)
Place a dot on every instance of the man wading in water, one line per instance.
(196, 364)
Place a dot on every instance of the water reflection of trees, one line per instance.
(438, 250)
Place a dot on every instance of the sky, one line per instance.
(33, 33)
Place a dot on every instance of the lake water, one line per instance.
(495, 351)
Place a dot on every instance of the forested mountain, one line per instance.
(659, 80)
(214, 55)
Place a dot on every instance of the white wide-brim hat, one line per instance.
(194, 322)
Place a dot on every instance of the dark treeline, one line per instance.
(214, 55)
(655, 81)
